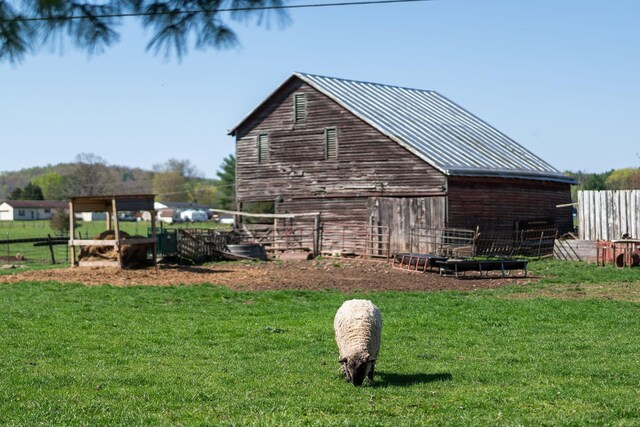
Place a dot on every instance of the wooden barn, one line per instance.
(404, 159)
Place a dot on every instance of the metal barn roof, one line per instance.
(435, 129)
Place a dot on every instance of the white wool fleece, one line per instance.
(358, 328)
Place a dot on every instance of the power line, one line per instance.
(193, 11)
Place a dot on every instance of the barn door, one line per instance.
(404, 216)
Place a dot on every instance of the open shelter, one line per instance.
(112, 205)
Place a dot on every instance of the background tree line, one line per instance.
(172, 181)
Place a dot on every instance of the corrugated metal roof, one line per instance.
(437, 130)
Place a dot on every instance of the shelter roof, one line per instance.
(128, 202)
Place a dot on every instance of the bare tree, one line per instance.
(90, 176)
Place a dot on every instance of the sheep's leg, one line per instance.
(370, 374)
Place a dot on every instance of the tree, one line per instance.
(52, 185)
(177, 181)
(32, 192)
(170, 186)
(29, 192)
(59, 222)
(16, 194)
(226, 184)
(26, 25)
(90, 176)
(620, 179)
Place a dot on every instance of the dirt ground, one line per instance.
(347, 275)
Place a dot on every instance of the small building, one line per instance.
(183, 206)
(28, 210)
(391, 156)
(168, 215)
(192, 215)
(91, 216)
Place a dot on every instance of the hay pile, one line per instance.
(132, 255)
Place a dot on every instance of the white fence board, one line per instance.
(608, 215)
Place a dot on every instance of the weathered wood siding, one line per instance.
(495, 204)
(332, 209)
(402, 215)
(607, 215)
(367, 164)
(343, 220)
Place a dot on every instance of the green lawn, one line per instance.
(205, 355)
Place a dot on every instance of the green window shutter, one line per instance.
(263, 147)
(331, 143)
(299, 107)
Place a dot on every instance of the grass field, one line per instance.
(205, 355)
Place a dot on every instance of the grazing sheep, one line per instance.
(358, 327)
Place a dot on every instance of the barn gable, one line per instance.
(432, 127)
(279, 156)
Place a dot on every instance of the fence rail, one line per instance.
(34, 250)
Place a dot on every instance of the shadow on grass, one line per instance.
(404, 380)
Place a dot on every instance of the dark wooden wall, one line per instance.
(368, 163)
(495, 204)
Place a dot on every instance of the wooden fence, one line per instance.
(608, 215)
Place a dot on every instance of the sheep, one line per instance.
(358, 328)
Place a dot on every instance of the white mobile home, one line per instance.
(28, 210)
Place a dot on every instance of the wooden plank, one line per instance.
(114, 209)
(72, 231)
(90, 242)
(138, 241)
(263, 215)
(98, 264)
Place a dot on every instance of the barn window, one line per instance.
(299, 107)
(330, 143)
(21, 212)
(263, 147)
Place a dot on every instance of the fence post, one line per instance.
(53, 257)
(316, 236)
(540, 243)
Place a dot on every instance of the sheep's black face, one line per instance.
(356, 370)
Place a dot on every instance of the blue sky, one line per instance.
(560, 77)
